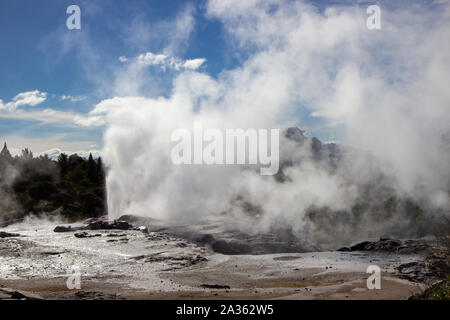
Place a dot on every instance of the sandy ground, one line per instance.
(135, 265)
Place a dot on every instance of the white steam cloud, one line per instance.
(386, 91)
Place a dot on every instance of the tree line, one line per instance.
(71, 186)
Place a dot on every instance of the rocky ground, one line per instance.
(128, 260)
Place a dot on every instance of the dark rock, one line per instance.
(8, 235)
(316, 145)
(360, 246)
(63, 229)
(198, 259)
(389, 245)
(106, 225)
(215, 286)
(81, 235)
(86, 235)
(116, 235)
(52, 253)
(295, 134)
(433, 268)
(6, 293)
(413, 271)
(383, 245)
(412, 247)
(94, 295)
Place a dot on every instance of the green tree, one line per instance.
(63, 164)
(92, 170)
(100, 170)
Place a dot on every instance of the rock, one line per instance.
(198, 259)
(97, 224)
(52, 253)
(412, 247)
(389, 245)
(360, 246)
(413, 271)
(106, 225)
(295, 134)
(215, 286)
(6, 293)
(86, 235)
(383, 245)
(92, 220)
(63, 229)
(434, 267)
(8, 235)
(81, 235)
(94, 295)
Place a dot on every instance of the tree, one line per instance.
(100, 170)
(27, 154)
(63, 164)
(92, 170)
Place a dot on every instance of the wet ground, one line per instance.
(132, 264)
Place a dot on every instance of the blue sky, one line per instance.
(40, 53)
(67, 68)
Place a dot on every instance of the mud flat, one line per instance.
(137, 264)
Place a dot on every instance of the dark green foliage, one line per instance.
(92, 170)
(42, 190)
(71, 186)
(63, 163)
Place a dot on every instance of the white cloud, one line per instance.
(150, 58)
(30, 98)
(73, 98)
(123, 59)
(194, 64)
(164, 61)
(46, 116)
(180, 30)
(56, 117)
(89, 121)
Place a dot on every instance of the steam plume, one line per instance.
(385, 91)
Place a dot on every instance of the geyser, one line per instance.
(385, 92)
(235, 146)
